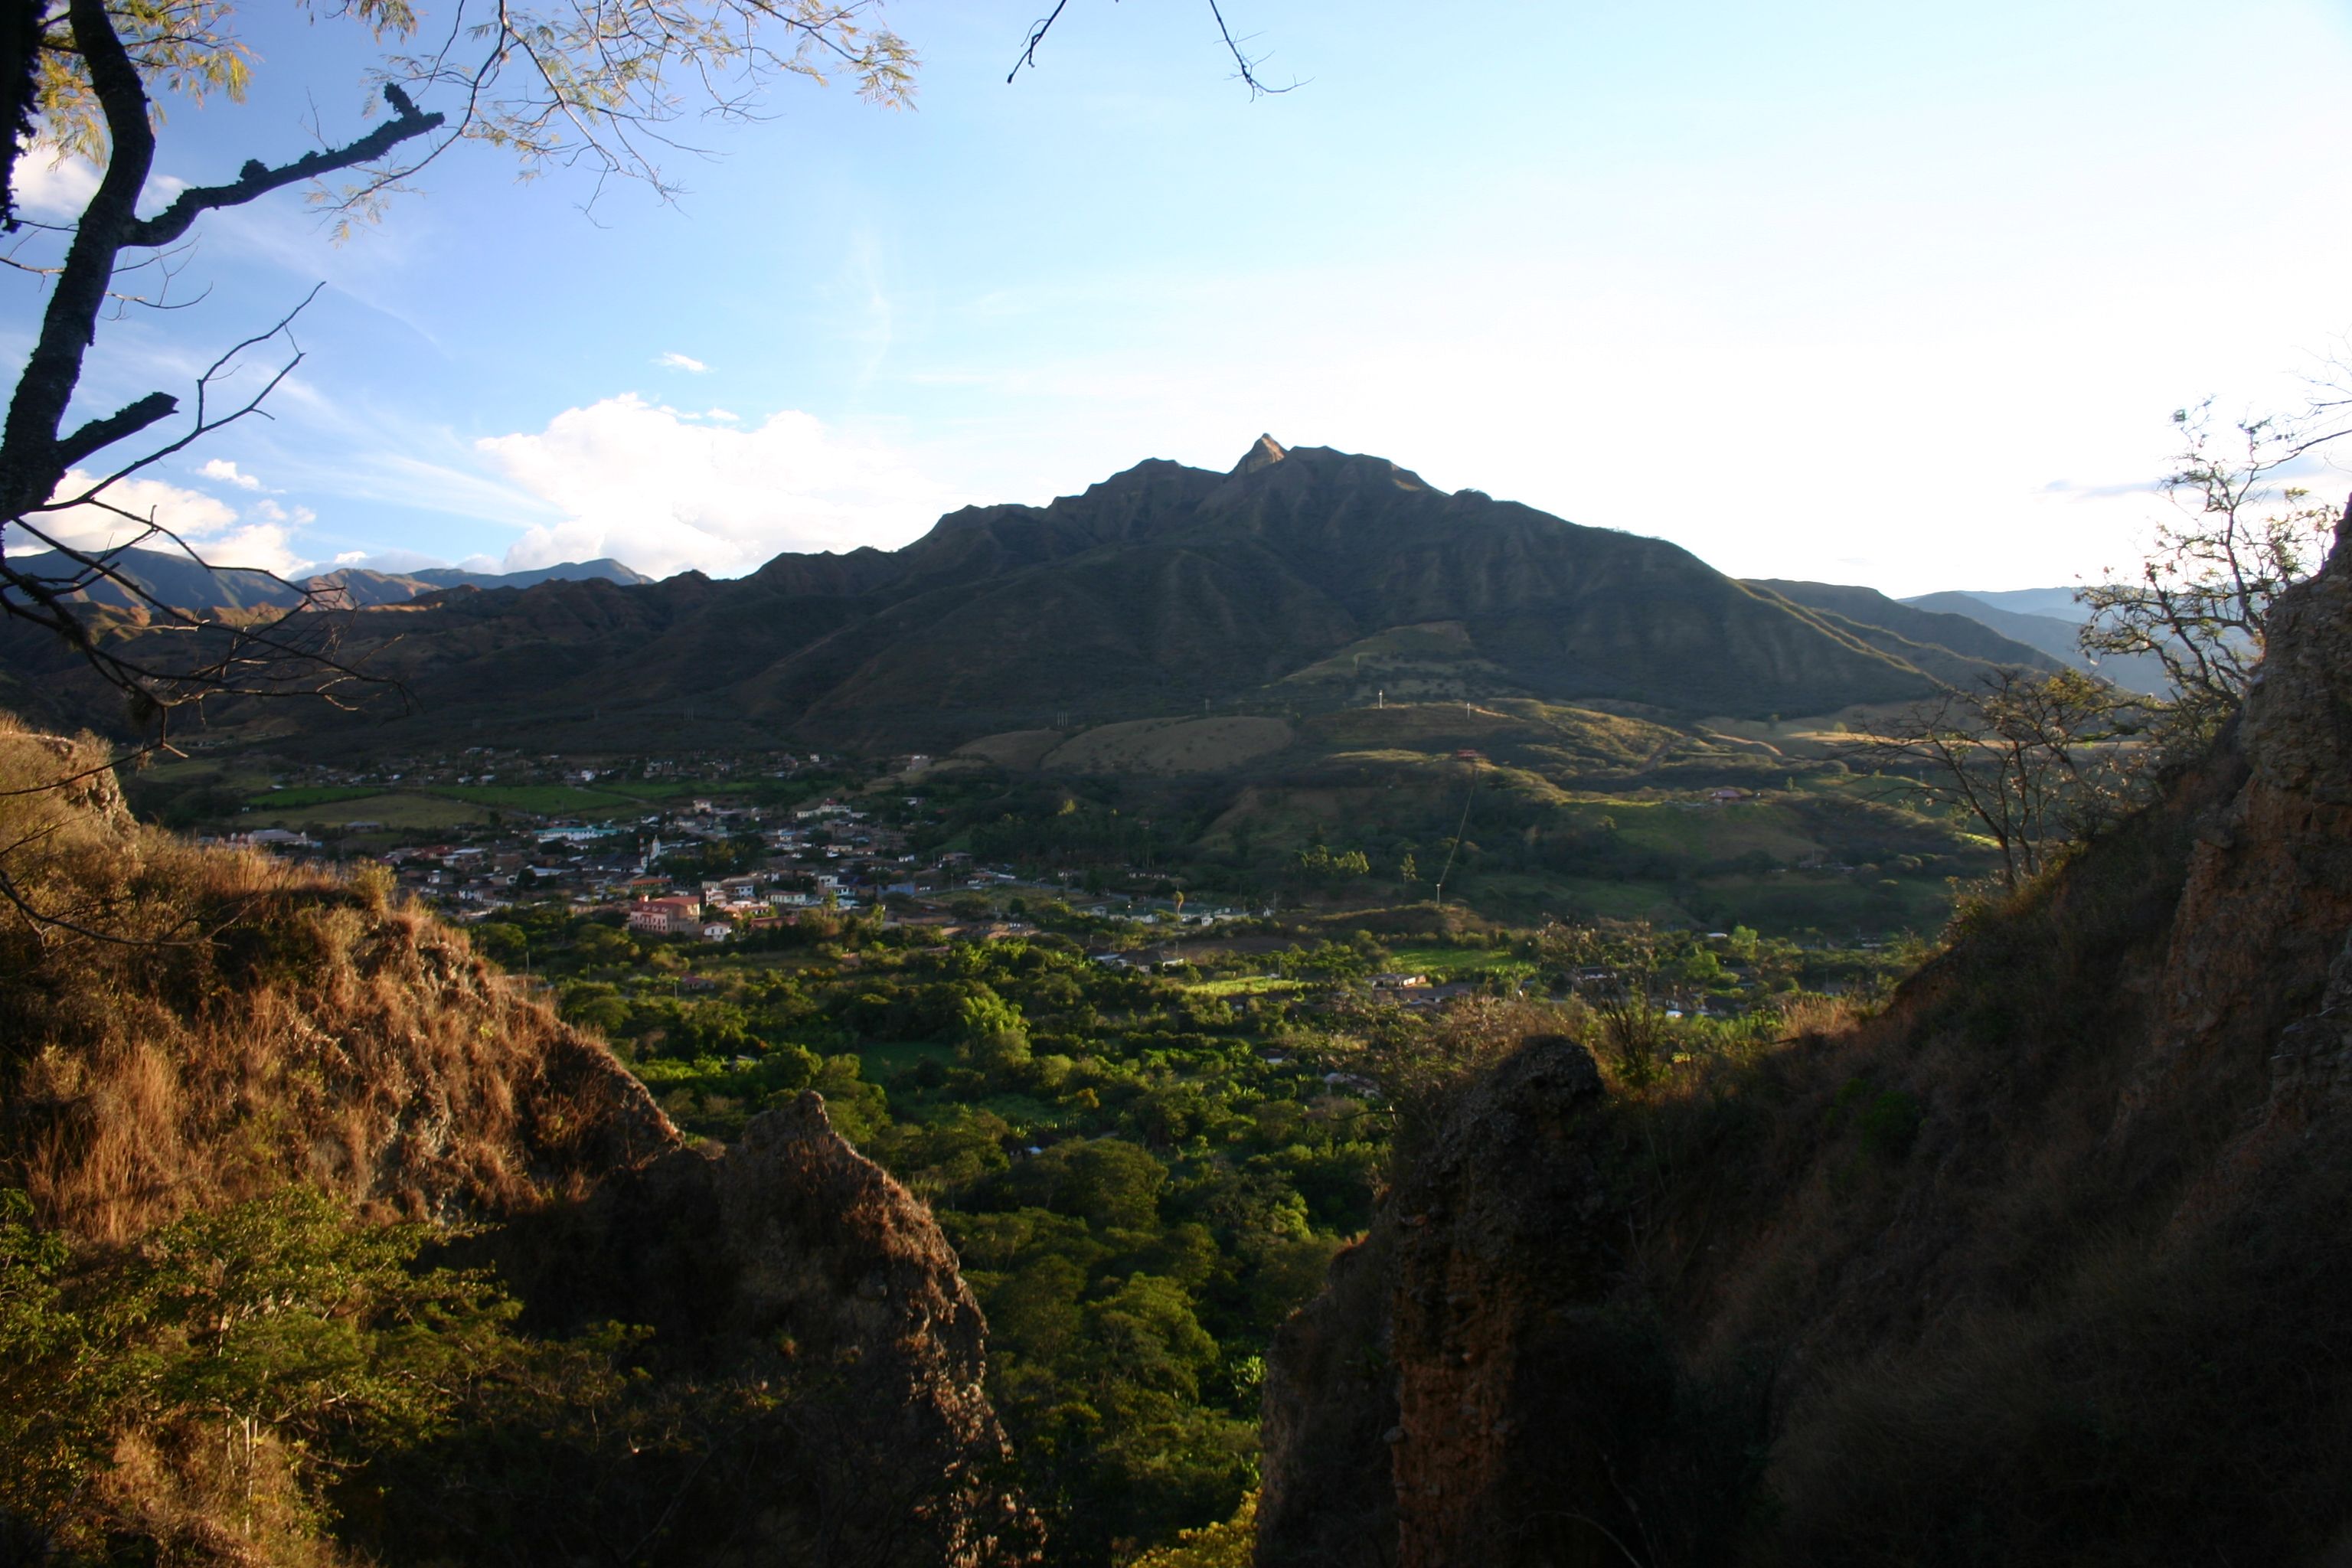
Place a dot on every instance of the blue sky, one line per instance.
(1894, 295)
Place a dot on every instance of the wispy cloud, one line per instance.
(388, 560)
(673, 360)
(2103, 492)
(216, 532)
(292, 516)
(664, 490)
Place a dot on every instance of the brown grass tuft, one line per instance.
(195, 1027)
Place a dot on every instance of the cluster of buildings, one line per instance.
(704, 868)
(653, 866)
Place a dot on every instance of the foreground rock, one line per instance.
(790, 1261)
(182, 1031)
(2044, 1265)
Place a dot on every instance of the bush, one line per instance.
(223, 1375)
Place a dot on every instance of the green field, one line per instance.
(394, 810)
(1458, 963)
(1244, 986)
(670, 789)
(297, 799)
(544, 800)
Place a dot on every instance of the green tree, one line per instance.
(596, 1005)
(991, 1031)
(281, 1334)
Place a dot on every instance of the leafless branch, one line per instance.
(1244, 66)
(2036, 762)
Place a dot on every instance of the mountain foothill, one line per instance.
(1303, 580)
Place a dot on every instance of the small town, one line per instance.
(709, 864)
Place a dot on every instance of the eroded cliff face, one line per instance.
(2267, 908)
(183, 1030)
(2046, 1264)
(790, 1263)
(180, 1029)
(1503, 1382)
(1478, 1384)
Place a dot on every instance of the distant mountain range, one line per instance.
(1302, 579)
(2053, 628)
(1952, 647)
(2060, 603)
(187, 584)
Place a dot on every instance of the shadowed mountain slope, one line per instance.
(1912, 633)
(1158, 591)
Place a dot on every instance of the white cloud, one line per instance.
(214, 531)
(228, 473)
(48, 185)
(52, 185)
(393, 560)
(661, 492)
(673, 360)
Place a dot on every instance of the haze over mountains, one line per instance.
(189, 584)
(2049, 619)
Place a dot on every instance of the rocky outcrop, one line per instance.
(1476, 1385)
(2268, 905)
(181, 1030)
(790, 1261)
(1409, 1408)
(2039, 1266)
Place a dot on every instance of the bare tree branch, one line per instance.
(120, 424)
(2035, 762)
(1245, 67)
(2202, 596)
(257, 179)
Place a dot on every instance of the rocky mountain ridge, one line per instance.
(1164, 589)
(2055, 629)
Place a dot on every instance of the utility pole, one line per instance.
(1459, 828)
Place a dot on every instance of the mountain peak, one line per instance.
(1264, 453)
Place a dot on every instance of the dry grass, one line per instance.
(1168, 746)
(206, 1025)
(212, 1494)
